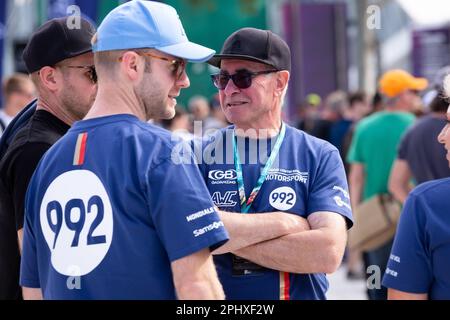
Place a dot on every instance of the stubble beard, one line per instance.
(154, 102)
(76, 104)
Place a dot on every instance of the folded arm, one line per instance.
(313, 251)
(249, 229)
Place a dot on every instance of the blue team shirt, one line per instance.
(109, 208)
(307, 176)
(420, 256)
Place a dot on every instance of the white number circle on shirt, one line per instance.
(283, 198)
(77, 222)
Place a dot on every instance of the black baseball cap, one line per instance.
(54, 41)
(257, 45)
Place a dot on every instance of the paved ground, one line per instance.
(343, 289)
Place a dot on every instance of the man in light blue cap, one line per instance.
(102, 221)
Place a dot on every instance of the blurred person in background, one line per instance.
(358, 108)
(217, 113)
(329, 114)
(359, 105)
(180, 125)
(335, 105)
(420, 155)
(199, 107)
(374, 148)
(377, 102)
(18, 90)
(333, 110)
(308, 112)
(338, 101)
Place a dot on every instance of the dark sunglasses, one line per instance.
(90, 71)
(241, 79)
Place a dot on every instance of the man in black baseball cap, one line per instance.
(255, 45)
(54, 41)
(60, 62)
(267, 56)
(296, 193)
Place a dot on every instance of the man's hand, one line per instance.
(318, 250)
(249, 229)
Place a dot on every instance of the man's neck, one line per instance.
(110, 102)
(58, 112)
(258, 132)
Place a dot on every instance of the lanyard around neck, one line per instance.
(246, 204)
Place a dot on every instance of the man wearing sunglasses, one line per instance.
(108, 204)
(286, 205)
(60, 63)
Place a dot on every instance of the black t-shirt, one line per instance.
(16, 169)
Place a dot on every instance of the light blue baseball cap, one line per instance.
(148, 24)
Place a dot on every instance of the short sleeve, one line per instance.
(409, 267)
(182, 210)
(329, 189)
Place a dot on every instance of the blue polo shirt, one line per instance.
(109, 208)
(420, 256)
(307, 176)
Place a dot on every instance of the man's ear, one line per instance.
(131, 64)
(50, 78)
(282, 81)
